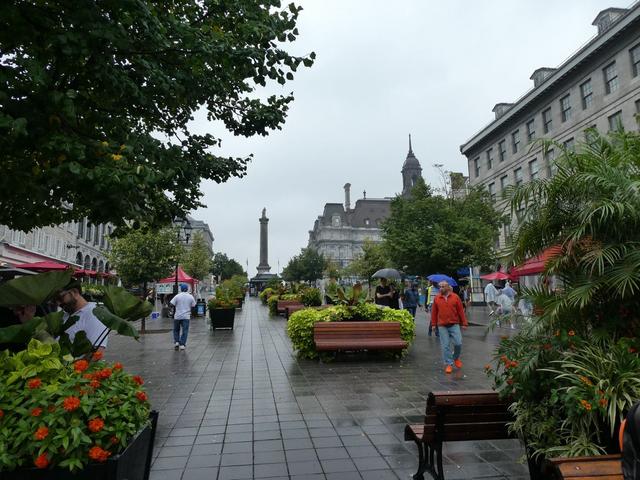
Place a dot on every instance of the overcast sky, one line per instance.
(383, 70)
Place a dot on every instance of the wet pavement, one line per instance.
(239, 404)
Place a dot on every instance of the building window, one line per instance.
(504, 182)
(490, 159)
(547, 122)
(335, 221)
(492, 191)
(517, 175)
(615, 121)
(569, 144)
(635, 60)
(565, 108)
(81, 228)
(531, 130)
(515, 141)
(586, 93)
(502, 149)
(534, 169)
(637, 106)
(476, 166)
(610, 78)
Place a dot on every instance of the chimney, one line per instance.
(608, 17)
(540, 75)
(501, 108)
(347, 196)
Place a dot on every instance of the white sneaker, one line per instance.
(182, 347)
(491, 313)
(176, 345)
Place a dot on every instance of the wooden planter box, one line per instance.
(221, 318)
(134, 463)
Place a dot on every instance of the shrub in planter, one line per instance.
(272, 303)
(58, 412)
(311, 297)
(265, 294)
(290, 297)
(300, 324)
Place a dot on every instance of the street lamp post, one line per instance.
(183, 226)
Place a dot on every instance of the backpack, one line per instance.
(631, 444)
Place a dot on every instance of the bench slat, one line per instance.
(601, 467)
(358, 335)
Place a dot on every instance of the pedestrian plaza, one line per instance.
(239, 404)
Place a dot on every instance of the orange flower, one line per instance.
(96, 424)
(557, 334)
(603, 402)
(36, 412)
(41, 433)
(138, 379)
(88, 376)
(104, 373)
(632, 350)
(585, 380)
(510, 381)
(141, 396)
(117, 366)
(80, 366)
(97, 356)
(99, 454)
(114, 440)
(35, 383)
(71, 403)
(41, 461)
(571, 333)
(586, 405)
(487, 367)
(503, 358)
(95, 384)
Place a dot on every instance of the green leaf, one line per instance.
(115, 323)
(33, 289)
(125, 305)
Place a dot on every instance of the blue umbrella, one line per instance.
(439, 277)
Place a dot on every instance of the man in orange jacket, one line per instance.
(447, 314)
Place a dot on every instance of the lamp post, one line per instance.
(183, 226)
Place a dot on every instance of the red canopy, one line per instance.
(182, 278)
(44, 266)
(85, 273)
(496, 276)
(536, 265)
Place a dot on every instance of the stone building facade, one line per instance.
(341, 231)
(597, 87)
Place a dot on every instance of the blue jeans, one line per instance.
(450, 334)
(184, 323)
(412, 311)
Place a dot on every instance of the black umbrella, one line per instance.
(390, 273)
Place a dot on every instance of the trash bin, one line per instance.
(201, 308)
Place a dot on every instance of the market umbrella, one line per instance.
(44, 266)
(390, 273)
(496, 276)
(439, 277)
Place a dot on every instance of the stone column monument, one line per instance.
(264, 267)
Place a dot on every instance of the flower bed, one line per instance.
(54, 412)
(300, 325)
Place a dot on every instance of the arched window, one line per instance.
(107, 267)
(101, 266)
(335, 221)
(94, 264)
(87, 262)
(79, 259)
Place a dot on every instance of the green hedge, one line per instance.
(272, 303)
(300, 324)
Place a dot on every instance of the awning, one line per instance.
(182, 278)
(44, 266)
(496, 276)
(535, 265)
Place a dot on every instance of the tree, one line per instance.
(196, 260)
(429, 233)
(145, 255)
(97, 98)
(308, 265)
(372, 259)
(224, 267)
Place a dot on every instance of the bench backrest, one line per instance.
(337, 330)
(284, 303)
(466, 415)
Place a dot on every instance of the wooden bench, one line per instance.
(600, 467)
(282, 304)
(341, 336)
(456, 416)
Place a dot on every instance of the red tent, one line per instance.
(182, 278)
(535, 265)
(44, 266)
(496, 276)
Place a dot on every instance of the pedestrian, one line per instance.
(447, 315)
(410, 300)
(70, 299)
(383, 293)
(394, 300)
(490, 294)
(431, 295)
(509, 291)
(505, 306)
(183, 303)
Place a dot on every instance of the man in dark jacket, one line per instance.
(447, 314)
(410, 299)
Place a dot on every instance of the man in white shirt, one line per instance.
(490, 294)
(183, 303)
(74, 305)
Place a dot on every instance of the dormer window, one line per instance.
(335, 220)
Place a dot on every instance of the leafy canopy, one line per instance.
(196, 260)
(429, 233)
(372, 259)
(308, 265)
(97, 98)
(225, 267)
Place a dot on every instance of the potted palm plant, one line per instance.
(63, 409)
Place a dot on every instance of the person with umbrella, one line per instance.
(383, 294)
(448, 315)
